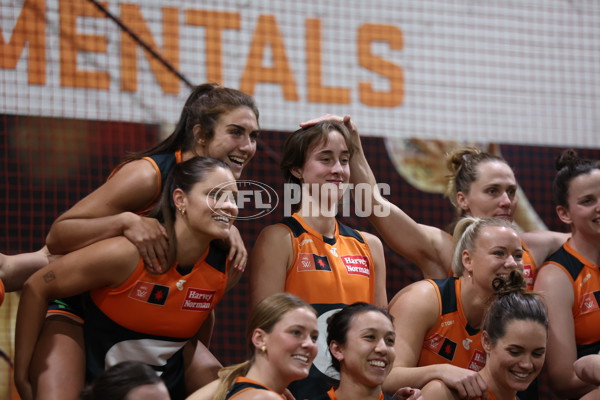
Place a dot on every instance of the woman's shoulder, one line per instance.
(420, 296)
(274, 233)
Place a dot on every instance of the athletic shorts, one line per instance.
(71, 307)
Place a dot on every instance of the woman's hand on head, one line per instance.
(324, 117)
(346, 120)
(150, 238)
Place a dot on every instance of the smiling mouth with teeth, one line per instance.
(237, 160)
(300, 358)
(221, 218)
(378, 363)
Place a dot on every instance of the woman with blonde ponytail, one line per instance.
(482, 184)
(282, 335)
(438, 321)
(515, 333)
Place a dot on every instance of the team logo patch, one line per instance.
(357, 265)
(198, 300)
(433, 343)
(448, 349)
(149, 293)
(589, 302)
(312, 262)
(477, 361)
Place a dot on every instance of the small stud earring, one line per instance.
(263, 348)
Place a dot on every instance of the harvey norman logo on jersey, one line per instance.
(198, 300)
(357, 265)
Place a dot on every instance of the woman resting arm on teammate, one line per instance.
(438, 322)
(215, 122)
(130, 312)
(515, 332)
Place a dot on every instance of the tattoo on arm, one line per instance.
(49, 276)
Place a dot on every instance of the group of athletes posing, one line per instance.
(134, 270)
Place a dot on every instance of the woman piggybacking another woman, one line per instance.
(131, 312)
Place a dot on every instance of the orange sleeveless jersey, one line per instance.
(452, 340)
(329, 270)
(151, 317)
(169, 304)
(163, 164)
(328, 273)
(585, 278)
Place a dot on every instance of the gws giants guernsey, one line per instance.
(585, 278)
(328, 273)
(150, 317)
(452, 340)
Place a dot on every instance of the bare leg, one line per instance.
(15, 269)
(58, 364)
(201, 366)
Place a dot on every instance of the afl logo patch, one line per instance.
(312, 262)
(149, 293)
